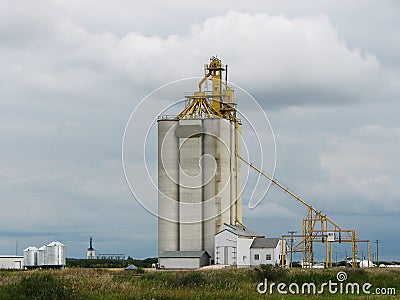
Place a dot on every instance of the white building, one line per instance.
(241, 247)
(11, 262)
(232, 245)
(91, 253)
(267, 251)
(184, 259)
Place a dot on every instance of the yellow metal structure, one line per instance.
(317, 227)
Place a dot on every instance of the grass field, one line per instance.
(77, 283)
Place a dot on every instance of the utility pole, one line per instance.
(377, 255)
(291, 246)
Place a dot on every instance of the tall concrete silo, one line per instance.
(198, 178)
(168, 186)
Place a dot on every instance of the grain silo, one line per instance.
(41, 256)
(30, 257)
(198, 178)
(55, 254)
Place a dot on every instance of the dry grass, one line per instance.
(219, 284)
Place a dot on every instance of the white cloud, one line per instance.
(272, 54)
(271, 211)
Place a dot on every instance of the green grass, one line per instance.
(79, 283)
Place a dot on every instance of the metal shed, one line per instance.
(131, 268)
(184, 259)
(11, 262)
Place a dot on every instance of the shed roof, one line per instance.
(265, 243)
(131, 267)
(11, 256)
(241, 231)
(184, 254)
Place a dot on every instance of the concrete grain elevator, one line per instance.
(198, 176)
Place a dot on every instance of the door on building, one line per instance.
(226, 255)
(17, 265)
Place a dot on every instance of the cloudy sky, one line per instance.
(326, 73)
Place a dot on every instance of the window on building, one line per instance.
(256, 256)
(268, 256)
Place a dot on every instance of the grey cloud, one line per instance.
(73, 71)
